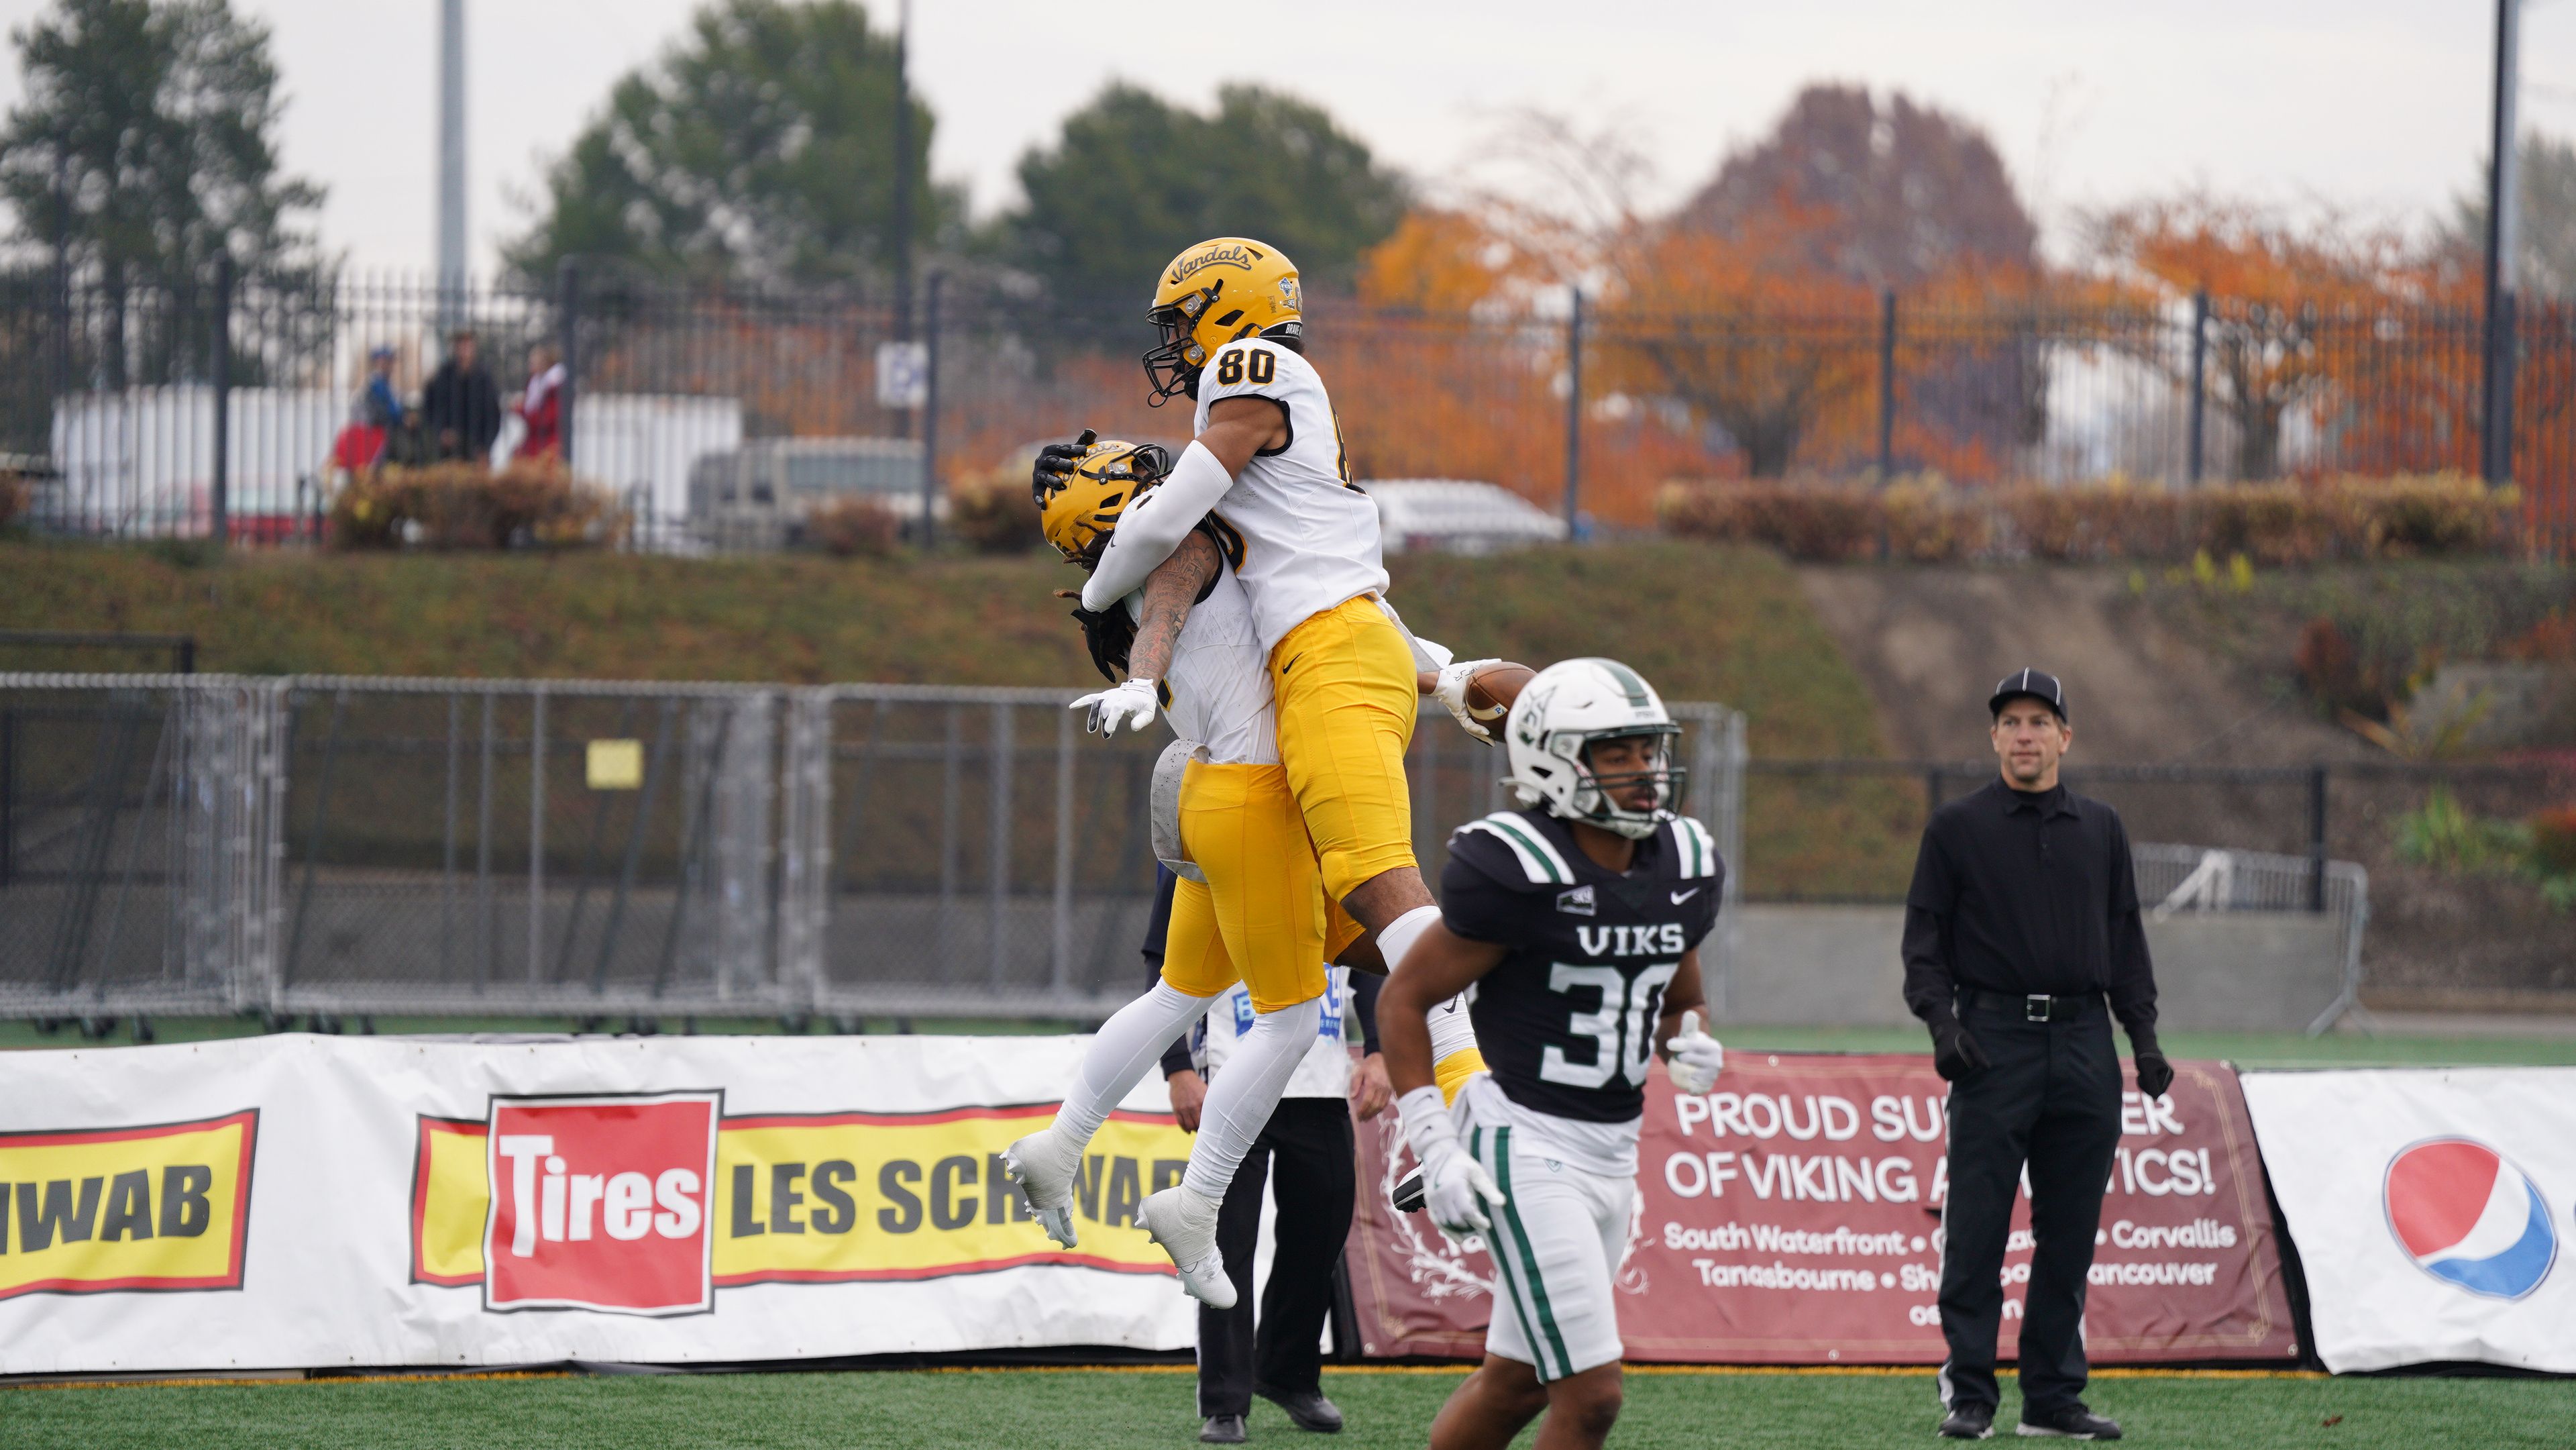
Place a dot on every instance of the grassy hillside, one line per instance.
(1701, 622)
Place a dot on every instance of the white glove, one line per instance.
(1452, 692)
(1696, 1060)
(1455, 1187)
(1131, 704)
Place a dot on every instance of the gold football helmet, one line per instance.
(1212, 294)
(1080, 508)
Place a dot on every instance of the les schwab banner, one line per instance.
(383, 1202)
(1793, 1217)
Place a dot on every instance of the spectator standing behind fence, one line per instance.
(2021, 922)
(377, 412)
(541, 408)
(462, 406)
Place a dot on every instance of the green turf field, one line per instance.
(1103, 1409)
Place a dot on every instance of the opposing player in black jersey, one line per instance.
(1577, 921)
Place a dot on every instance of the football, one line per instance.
(1491, 690)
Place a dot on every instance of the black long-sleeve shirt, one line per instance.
(465, 402)
(2020, 892)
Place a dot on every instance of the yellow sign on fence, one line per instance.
(616, 765)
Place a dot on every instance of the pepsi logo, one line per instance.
(2470, 1218)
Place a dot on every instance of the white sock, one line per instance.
(1239, 1102)
(1401, 933)
(1129, 1044)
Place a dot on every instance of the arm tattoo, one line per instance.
(1170, 591)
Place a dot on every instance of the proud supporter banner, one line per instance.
(1793, 1217)
(2431, 1208)
(297, 1201)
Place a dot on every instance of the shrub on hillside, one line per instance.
(2113, 520)
(1804, 520)
(849, 528)
(1925, 521)
(994, 516)
(2442, 513)
(463, 506)
(2269, 523)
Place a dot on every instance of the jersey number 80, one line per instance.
(1231, 366)
(1622, 1030)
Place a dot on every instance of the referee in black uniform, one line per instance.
(2021, 925)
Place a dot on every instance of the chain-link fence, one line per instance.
(345, 846)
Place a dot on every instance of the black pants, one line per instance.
(2051, 1100)
(1310, 1138)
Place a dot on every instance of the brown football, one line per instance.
(1494, 688)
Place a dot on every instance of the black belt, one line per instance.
(2033, 1006)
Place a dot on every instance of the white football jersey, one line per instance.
(1310, 540)
(1220, 678)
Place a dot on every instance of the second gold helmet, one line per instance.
(1080, 510)
(1212, 294)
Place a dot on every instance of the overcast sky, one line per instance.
(2379, 105)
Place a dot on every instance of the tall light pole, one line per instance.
(451, 163)
(903, 173)
(2504, 207)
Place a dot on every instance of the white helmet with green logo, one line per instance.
(1559, 714)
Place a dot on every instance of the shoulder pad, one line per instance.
(1694, 849)
(1529, 858)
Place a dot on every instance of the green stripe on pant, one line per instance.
(1529, 1260)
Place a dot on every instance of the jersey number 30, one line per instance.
(1622, 1031)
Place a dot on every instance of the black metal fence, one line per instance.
(151, 409)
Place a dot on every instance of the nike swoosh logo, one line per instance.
(1681, 896)
(1292, 662)
(1450, 1006)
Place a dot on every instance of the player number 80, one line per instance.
(1232, 364)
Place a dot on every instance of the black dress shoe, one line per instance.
(2070, 1421)
(1308, 1408)
(1968, 1420)
(1222, 1430)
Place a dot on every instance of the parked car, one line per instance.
(1458, 516)
(757, 496)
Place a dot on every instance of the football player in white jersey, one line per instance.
(1250, 906)
(1267, 464)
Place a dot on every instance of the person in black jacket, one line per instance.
(462, 406)
(2021, 924)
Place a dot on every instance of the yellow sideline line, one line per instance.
(263, 1381)
(1701, 1370)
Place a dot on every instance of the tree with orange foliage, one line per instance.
(1744, 333)
(2285, 298)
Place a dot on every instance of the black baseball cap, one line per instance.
(2040, 685)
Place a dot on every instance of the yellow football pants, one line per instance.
(1347, 697)
(1260, 917)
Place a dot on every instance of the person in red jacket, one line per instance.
(541, 408)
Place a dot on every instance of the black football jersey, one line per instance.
(1567, 1020)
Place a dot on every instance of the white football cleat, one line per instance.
(1042, 1171)
(1185, 1225)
